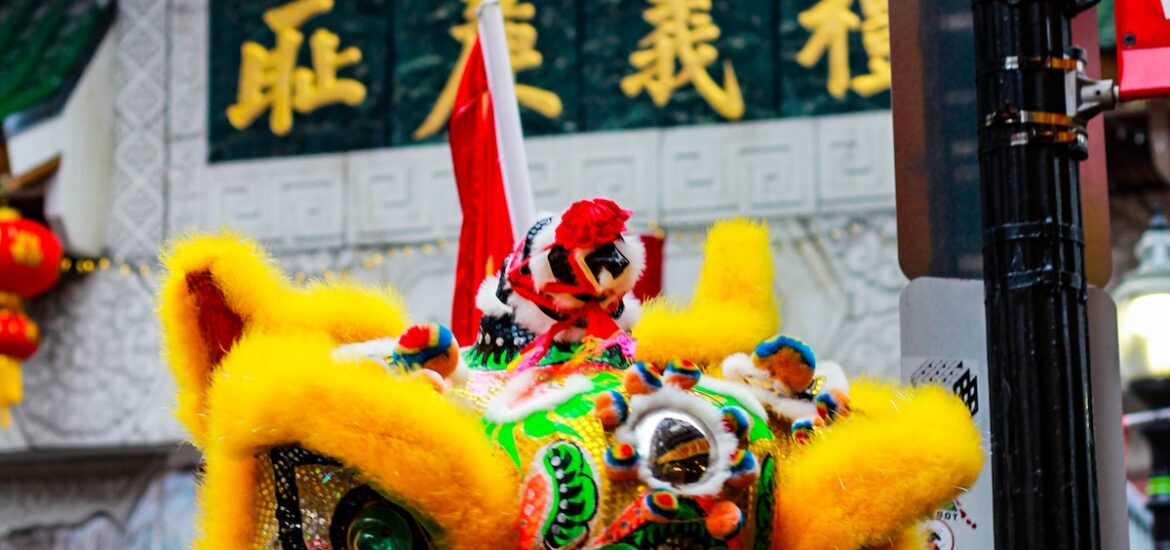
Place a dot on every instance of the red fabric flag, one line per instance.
(486, 237)
(650, 285)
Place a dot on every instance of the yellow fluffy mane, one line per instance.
(280, 384)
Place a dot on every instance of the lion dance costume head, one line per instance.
(577, 419)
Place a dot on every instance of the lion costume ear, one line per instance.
(219, 288)
(733, 308)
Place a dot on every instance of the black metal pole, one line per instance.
(1044, 481)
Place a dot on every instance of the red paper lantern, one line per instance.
(30, 255)
(30, 260)
(19, 335)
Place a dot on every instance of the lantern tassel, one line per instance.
(11, 392)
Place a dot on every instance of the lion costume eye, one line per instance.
(676, 445)
(364, 520)
(313, 501)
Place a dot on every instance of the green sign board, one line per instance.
(303, 77)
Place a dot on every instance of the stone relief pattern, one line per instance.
(44, 498)
(866, 267)
(98, 380)
(187, 122)
(147, 510)
(140, 106)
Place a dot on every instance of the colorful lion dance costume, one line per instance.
(575, 420)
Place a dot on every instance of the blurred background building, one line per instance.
(127, 123)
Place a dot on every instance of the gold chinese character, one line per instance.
(677, 52)
(270, 79)
(830, 22)
(26, 249)
(875, 35)
(521, 36)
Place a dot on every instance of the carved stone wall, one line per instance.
(136, 504)
(97, 380)
(140, 117)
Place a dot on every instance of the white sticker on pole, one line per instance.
(966, 522)
(1166, 8)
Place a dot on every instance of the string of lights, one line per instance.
(370, 257)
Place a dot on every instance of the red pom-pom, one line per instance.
(416, 338)
(589, 224)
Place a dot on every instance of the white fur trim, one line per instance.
(632, 248)
(504, 408)
(739, 367)
(785, 407)
(670, 398)
(378, 349)
(546, 236)
(538, 255)
(534, 319)
(835, 378)
(741, 392)
(631, 313)
(486, 300)
(433, 378)
(740, 371)
(462, 373)
(529, 315)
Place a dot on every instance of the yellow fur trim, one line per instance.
(416, 445)
(901, 455)
(263, 297)
(733, 307)
(911, 538)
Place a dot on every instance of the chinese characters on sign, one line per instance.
(677, 52)
(296, 77)
(270, 80)
(522, 53)
(26, 248)
(830, 22)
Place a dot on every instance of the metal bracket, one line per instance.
(1013, 115)
(1086, 98)
(1046, 128)
(1092, 96)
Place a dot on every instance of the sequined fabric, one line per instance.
(299, 492)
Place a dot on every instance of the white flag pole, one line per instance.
(509, 135)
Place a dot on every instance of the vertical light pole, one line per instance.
(1143, 300)
(1044, 480)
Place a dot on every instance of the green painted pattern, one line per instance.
(765, 503)
(561, 353)
(478, 360)
(759, 429)
(687, 530)
(575, 495)
(41, 43)
(545, 423)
